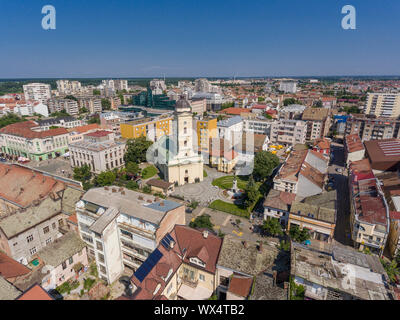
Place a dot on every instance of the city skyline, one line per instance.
(207, 39)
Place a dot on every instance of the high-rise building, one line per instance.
(202, 85)
(288, 86)
(68, 87)
(37, 91)
(121, 85)
(383, 104)
(288, 132)
(69, 105)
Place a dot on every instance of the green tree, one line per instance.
(83, 110)
(261, 99)
(132, 168)
(10, 119)
(299, 235)
(272, 227)
(264, 163)
(83, 173)
(251, 192)
(105, 178)
(94, 119)
(318, 104)
(289, 101)
(96, 92)
(105, 104)
(136, 150)
(391, 269)
(202, 221)
(71, 98)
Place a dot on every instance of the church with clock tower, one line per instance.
(182, 164)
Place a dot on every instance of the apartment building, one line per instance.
(322, 146)
(384, 155)
(353, 148)
(120, 84)
(206, 129)
(93, 105)
(182, 267)
(77, 134)
(37, 92)
(70, 106)
(112, 120)
(369, 212)
(317, 214)
(68, 87)
(318, 122)
(231, 129)
(277, 205)
(288, 132)
(21, 140)
(372, 128)
(122, 227)
(30, 108)
(198, 106)
(257, 126)
(99, 150)
(151, 128)
(288, 86)
(304, 174)
(383, 105)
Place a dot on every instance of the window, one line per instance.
(32, 251)
(101, 257)
(103, 269)
(15, 244)
(202, 277)
(48, 241)
(29, 238)
(99, 246)
(46, 230)
(64, 265)
(60, 222)
(71, 260)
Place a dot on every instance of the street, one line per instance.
(340, 184)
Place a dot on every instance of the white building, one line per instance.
(120, 84)
(258, 126)
(231, 129)
(288, 132)
(99, 151)
(30, 108)
(37, 91)
(68, 87)
(288, 86)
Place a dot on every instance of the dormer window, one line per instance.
(197, 261)
(157, 289)
(168, 275)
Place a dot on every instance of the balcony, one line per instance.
(189, 282)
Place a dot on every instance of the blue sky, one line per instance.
(142, 38)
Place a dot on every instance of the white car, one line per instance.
(339, 170)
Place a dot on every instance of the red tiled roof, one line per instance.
(235, 111)
(99, 133)
(22, 185)
(24, 129)
(259, 106)
(9, 268)
(395, 215)
(35, 293)
(86, 128)
(353, 143)
(240, 286)
(73, 219)
(322, 143)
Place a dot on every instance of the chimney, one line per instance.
(205, 234)
(172, 244)
(274, 274)
(260, 247)
(245, 244)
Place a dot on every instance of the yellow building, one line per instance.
(206, 129)
(151, 128)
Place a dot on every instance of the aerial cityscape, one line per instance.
(237, 187)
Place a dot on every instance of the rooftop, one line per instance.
(249, 261)
(316, 114)
(383, 151)
(9, 268)
(35, 293)
(240, 286)
(7, 290)
(131, 203)
(229, 122)
(279, 200)
(235, 111)
(61, 249)
(353, 143)
(24, 129)
(331, 271)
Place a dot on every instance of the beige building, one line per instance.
(37, 92)
(93, 105)
(99, 150)
(122, 227)
(383, 104)
(288, 132)
(198, 106)
(318, 122)
(69, 105)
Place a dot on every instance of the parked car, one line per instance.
(3, 160)
(339, 170)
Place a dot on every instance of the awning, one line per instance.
(198, 293)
